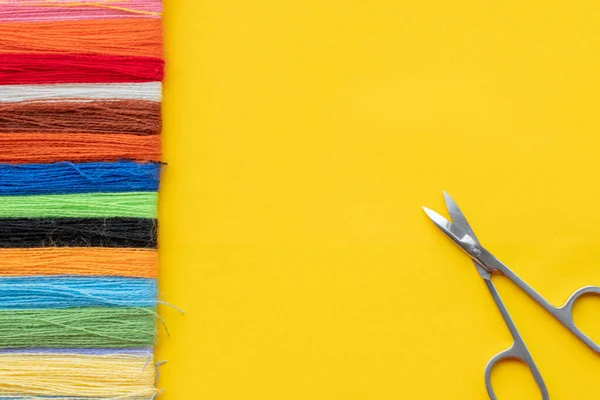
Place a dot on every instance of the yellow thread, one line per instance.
(99, 4)
(109, 376)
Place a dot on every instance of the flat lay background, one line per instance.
(302, 139)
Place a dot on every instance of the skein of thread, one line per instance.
(18, 69)
(87, 327)
(87, 261)
(84, 205)
(78, 232)
(148, 91)
(138, 37)
(67, 292)
(23, 148)
(67, 178)
(43, 10)
(70, 312)
(105, 116)
(116, 375)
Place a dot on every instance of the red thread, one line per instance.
(18, 69)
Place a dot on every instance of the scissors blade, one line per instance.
(458, 218)
(457, 235)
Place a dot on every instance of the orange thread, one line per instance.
(93, 261)
(20, 148)
(125, 37)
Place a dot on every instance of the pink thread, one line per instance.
(15, 12)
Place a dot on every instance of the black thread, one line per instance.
(78, 232)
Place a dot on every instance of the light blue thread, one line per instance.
(68, 292)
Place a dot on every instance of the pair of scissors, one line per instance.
(460, 232)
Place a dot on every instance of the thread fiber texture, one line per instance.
(78, 232)
(84, 147)
(141, 37)
(88, 327)
(117, 116)
(43, 10)
(110, 375)
(80, 162)
(28, 68)
(140, 351)
(86, 205)
(88, 261)
(148, 91)
(69, 292)
(68, 177)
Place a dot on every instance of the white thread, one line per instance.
(151, 91)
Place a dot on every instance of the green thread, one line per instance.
(86, 205)
(116, 327)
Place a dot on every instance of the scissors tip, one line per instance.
(435, 217)
(447, 197)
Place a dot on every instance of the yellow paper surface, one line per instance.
(302, 139)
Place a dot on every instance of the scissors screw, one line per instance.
(476, 252)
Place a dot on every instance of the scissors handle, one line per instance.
(565, 315)
(518, 350)
(514, 353)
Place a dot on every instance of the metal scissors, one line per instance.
(460, 232)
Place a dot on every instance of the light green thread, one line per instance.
(86, 205)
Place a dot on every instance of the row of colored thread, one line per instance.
(80, 123)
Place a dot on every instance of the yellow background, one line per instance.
(302, 139)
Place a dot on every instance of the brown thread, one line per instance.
(138, 117)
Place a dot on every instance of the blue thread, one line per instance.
(67, 177)
(68, 292)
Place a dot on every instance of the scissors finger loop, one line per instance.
(514, 353)
(565, 315)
